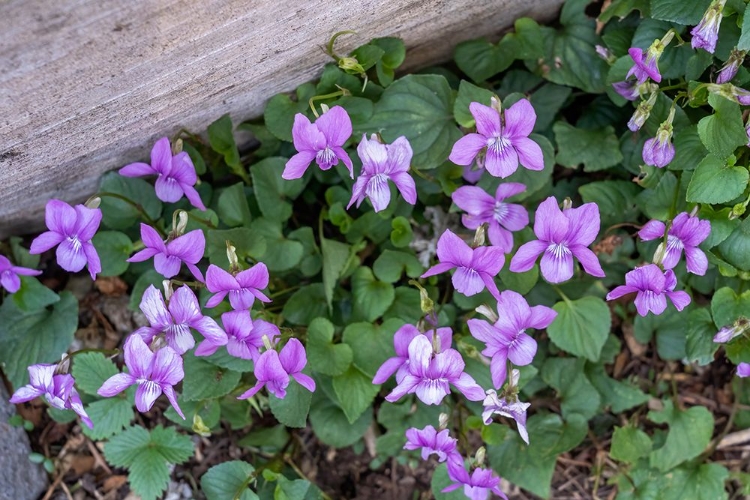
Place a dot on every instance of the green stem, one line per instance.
(560, 292)
(323, 97)
(106, 352)
(202, 220)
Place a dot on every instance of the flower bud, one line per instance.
(496, 104)
(177, 147)
(479, 236)
(234, 264)
(706, 34)
(93, 202)
(199, 427)
(737, 211)
(730, 68)
(479, 456)
(642, 113)
(167, 285)
(267, 342)
(487, 312)
(443, 421)
(729, 332)
(63, 366)
(659, 254)
(351, 65)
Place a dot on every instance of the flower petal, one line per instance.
(588, 260)
(453, 250)
(499, 370)
(529, 153)
(405, 185)
(184, 306)
(137, 169)
(183, 169)
(293, 357)
(167, 367)
(304, 380)
(583, 225)
(557, 266)
(501, 162)
(45, 241)
(652, 230)
(115, 385)
(70, 255)
(298, 164)
(60, 217)
(373, 154)
(387, 369)
(172, 398)
(399, 155)
(379, 192)
(146, 395)
(153, 307)
(306, 136)
(152, 239)
(526, 255)
(550, 224)
(488, 260)
(541, 317)
(87, 222)
(467, 281)
(189, 247)
(508, 189)
(92, 259)
(219, 280)
(167, 265)
(520, 119)
(474, 200)
(466, 149)
(696, 260)
(138, 357)
(499, 237)
(255, 277)
(161, 156)
(467, 386)
(487, 119)
(335, 125)
(522, 351)
(680, 299)
(193, 197)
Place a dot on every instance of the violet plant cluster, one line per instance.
(428, 359)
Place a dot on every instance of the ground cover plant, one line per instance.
(535, 256)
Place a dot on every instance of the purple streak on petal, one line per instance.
(467, 281)
(138, 357)
(502, 159)
(168, 189)
(183, 306)
(146, 395)
(498, 370)
(557, 264)
(696, 260)
(116, 384)
(70, 255)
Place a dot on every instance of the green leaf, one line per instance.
(402, 234)
(689, 433)
(280, 110)
(723, 131)
(246, 242)
(355, 392)
(669, 331)
(286, 254)
(368, 55)
(271, 191)
(716, 182)
(228, 480)
(311, 261)
(689, 150)
(679, 12)
(569, 54)
(109, 417)
(114, 248)
(195, 157)
(736, 248)
(118, 214)
(90, 370)
(208, 410)
(146, 455)
(372, 297)
(531, 467)
(335, 256)
(33, 296)
(323, 355)
(299, 489)
(150, 277)
(721, 225)
(419, 107)
(566, 376)
(596, 149)
(520, 282)
(547, 101)
(468, 93)
(28, 338)
(619, 396)
(293, 409)
(480, 59)
(615, 199)
(534, 181)
(581, 326)
(21, 254)
(440, 481)
(232, 206)
(223, 359)
(204, 380)
(699, 482)
(657, 203)
(629, 444)
(727, 306)
(305, 304)
(744, 42)
(390, 265)
(221, 138)
(371, 344)
(331, 425)
(700, 347)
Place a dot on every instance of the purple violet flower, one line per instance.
(245, 336)
(476, 268)
(685, 233)
(431, 441)
(658, 151)
(503, 143)
(399, 364)
(500, 406)
(168, 257)
(629, 89)
(472, 173)
(381, 162)
(9, 274)
(71, 229)
(430, 372)
(502, 217)
(729, 332)
(273, 369)
(743, 370)
(57, 388)
(154, 373)
(321, 141)
(507, 338)
(175, 174)
(730, 68)
(477, 486)
(706, 33)
(176, 320)
(652, 287)
(563, 234)
(643, 69)
(243, 288)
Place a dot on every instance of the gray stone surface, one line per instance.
(86, 86)
(19, 478)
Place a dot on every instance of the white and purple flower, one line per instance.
(562, 235)
(274, 369)
(9, 274)
(685, 234)
(242, 288)
(652, 288)
(245, 336)
(321, 141)
(500, 144)
(169, 256)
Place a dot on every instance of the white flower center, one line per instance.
(674, 243)
(75, 242)
(558, 250)
(326, 157)
(500, 212)
(497, 144)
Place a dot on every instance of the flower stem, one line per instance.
(137, 206)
